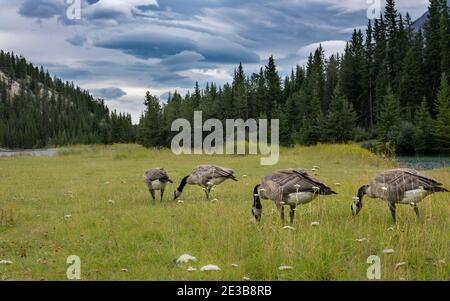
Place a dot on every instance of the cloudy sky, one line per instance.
(119, 49)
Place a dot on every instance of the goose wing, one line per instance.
(409, 179)
(204, 173)
(156, 174)
(288, 179)
(394, 183)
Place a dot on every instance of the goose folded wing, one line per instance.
(289, 179)
(218, 171)
(156, 174)
(410, 180)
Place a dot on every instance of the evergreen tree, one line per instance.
(240, 94)
(392, 44)
(150, 123)
(442, 124)
(444, 27)
(423, 121)
(389, 115)
(341, 120)
(432, 52)
(273, 96)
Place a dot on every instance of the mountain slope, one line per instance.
(37, 110)
(420, 23)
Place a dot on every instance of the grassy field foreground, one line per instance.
(92, 202)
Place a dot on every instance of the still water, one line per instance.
(416, 162)
(424, 162)
(36, 153)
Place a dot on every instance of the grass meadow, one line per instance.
(54, 207)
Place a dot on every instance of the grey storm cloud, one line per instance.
(170, 44)
(153, 44)
(77, 40)
(109, 93)
(41, 9)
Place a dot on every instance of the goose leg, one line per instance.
(393, 209)
(416, 210)
(292, 214)
(162, 194)
(281, 211)
(152, 193)
(207, 190)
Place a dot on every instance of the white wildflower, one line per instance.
(285, 268)
(185, 258)
(6, 262)
(209, 267)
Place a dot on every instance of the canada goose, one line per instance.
(206, 176)
(289, 187)
(156, 179)
(398, 186)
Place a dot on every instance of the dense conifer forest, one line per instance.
(389, 90)
(37, 110)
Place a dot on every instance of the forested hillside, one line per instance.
(37, 110)
(388, 89)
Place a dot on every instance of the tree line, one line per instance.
(389, 89)
(37, 110)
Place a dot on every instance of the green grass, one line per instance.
(37, 192)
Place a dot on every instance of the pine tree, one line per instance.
(423, 121)
(369, 80)
(432, 52)
(442, 123)
(389, 115)
(150, 124)
(331, 81)
(341, 120)
(273, 97)
(411, 81)
(444, 27)
(240, 94)
(380, 72)
(391, 15)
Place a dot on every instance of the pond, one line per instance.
(35, 152)
(424, 162)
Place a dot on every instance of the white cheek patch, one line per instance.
(354, 208)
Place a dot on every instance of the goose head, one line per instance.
(357, 201)
(257, 207)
